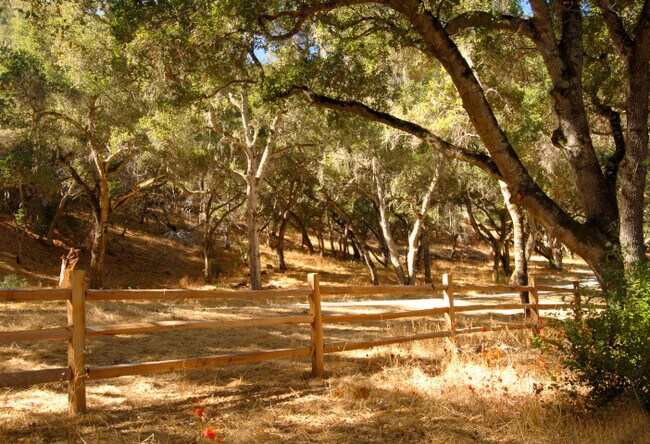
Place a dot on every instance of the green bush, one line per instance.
(609, 350)
(12, 281)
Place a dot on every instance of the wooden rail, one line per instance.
(47, 334)
(148, 368)
(150, 327)
(77, 332)
(29, 295)
(135, 295)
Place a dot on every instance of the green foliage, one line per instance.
(12, 281)
(609, 350)
(19, 218)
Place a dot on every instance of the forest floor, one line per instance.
(496, 389)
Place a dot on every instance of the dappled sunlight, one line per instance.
(495, 385)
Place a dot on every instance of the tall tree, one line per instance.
(557, 31)
(257, 141)
(91, 102)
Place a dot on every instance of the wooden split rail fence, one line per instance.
(77, 332)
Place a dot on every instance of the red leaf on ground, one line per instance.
(210, 434)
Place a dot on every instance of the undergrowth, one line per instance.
(608, 350)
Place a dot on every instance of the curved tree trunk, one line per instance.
(320, 237)
(591, 240)
(49, 234)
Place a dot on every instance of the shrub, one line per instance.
(12, 281)
(609, 350)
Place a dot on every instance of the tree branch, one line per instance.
(212, 228)
(91, 193)
(480, 160)
(485, 20)
(218, 89)
(136, 191)
(301, 15)
(217, 129)
(611, 167)
(620, 38)
(268, 148)
(361, 190)
(114, 168)
(69, 120)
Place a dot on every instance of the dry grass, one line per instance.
(496, 389)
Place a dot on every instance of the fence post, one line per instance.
(577, 299)
(76, 346)
(450, 316)
(317, 361)
(534, 299)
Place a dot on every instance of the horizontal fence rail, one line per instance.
(29, 295)
(139, 295)
(77, 332)
(150, 327)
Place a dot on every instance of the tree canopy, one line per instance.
(413, 103)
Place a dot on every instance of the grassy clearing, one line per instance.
(496, 389)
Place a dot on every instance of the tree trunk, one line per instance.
(98, 249)
(421, 216)
(384, 222)
(207, 240)
(412, 253)
(320, 238)
(504, 246)
(330, 232)
(49, 234)
(100, 235)
(21, 223)
(305, 241)
(557, 254)
(454, 246)
(207, 267)
(374, 276)
(531, 242)
(633, 169)
(356, 254)
(519, 276)
(279, 244)
(343, 243)
(496, 260)
(426, 254)
(504, 243)
(254, 263)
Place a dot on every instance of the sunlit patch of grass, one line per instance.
(413, 392)
(495, 388)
